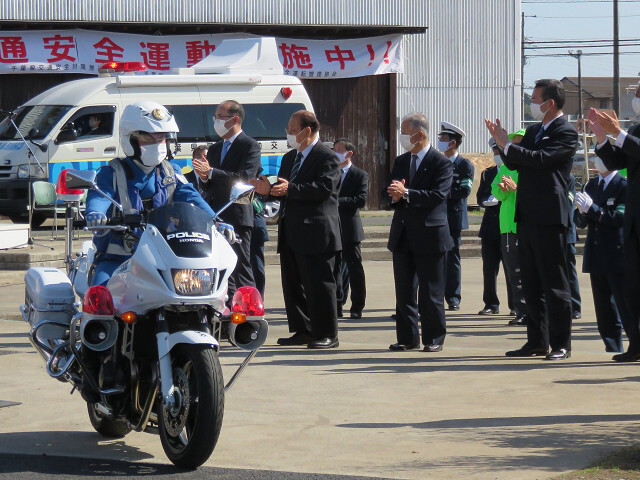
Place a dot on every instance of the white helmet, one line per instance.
(150, 117)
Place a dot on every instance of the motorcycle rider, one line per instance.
(144, 180)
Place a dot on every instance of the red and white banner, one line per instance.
(83, 51)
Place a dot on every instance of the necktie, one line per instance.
(295, 167)
(225, 149)
(539, 135)
(412, 168)
(600, 187)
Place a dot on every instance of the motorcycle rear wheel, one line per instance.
(190, 431)
(107, 427)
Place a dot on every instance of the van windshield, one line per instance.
(34, 121)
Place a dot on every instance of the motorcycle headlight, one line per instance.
(192, 281)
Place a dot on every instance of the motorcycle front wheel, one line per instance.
(189, 431)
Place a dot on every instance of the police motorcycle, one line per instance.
(143, 350)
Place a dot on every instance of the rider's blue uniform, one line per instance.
(140, 185)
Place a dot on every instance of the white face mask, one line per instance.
(219, 127)
(443, 146)
(342, 157)
(497, 159)
(405, 142)
(292, 139)
(536, 112)
(600, 166)
(635, 104)
(153, 155)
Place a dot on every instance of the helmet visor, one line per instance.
(148, 138)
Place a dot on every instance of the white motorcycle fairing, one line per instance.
(145, 281)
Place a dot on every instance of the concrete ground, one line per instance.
(467, 412)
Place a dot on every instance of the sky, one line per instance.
(577, 21)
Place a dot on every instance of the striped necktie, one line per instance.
(295, 167)
(539, 135)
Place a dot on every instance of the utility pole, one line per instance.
(616, 60)
(581, 121)
(522, 62)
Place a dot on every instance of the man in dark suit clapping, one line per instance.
(308, 233)
(419, 237)
(625, 153)
(354, 188)
(235, 158)
(543, 159)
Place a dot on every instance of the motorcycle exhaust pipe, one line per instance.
(99, 333)
(249, 335)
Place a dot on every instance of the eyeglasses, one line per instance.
(225, 116)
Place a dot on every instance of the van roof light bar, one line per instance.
(122, 67)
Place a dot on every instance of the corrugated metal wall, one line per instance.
(465, 67)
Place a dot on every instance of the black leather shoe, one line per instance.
(627, 356)
(560, 354)
(401, 347)
(527, 352)
(356, 315)
(432, 348)
(489, 311)
(394, 316)
(295, 339)
(576, 315)
(520, 320)
(512, 313)
(454, 306)
(325, 342)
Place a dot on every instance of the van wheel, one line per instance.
(271, 212)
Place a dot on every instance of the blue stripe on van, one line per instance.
(270, 165)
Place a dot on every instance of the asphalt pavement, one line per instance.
(466, 412)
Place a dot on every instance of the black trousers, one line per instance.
(574, 286)
(632, 287)
(419, 282)
(309, 290)
(490, 251)
(512, 272)
(454, 271)
(243, 274)
(545, 284)
(610, 307)
(352, 275)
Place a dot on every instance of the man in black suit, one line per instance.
(199, 153)
(235, 158)
(625, 153)
(543, 159)
(490, 237)
(354, 188)
(419, 237)
(308, 233)
(449, 140)
(601, 209)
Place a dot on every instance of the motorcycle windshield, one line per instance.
(185, 227)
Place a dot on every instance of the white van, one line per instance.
(56, 123)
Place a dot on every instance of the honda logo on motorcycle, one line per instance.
(189, 236)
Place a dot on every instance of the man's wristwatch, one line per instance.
(405, 195)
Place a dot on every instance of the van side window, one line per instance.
(88, 123)
(190, 120)
(263, 121)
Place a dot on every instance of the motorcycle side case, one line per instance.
(49, 296)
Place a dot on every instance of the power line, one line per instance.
(582, 41)
(583, 54)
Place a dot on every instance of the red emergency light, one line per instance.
(122, 67)
(286, 92)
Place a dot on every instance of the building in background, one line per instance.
(461, 60)
(597, 92)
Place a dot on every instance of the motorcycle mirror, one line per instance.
(242, 194)
(81, 178)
